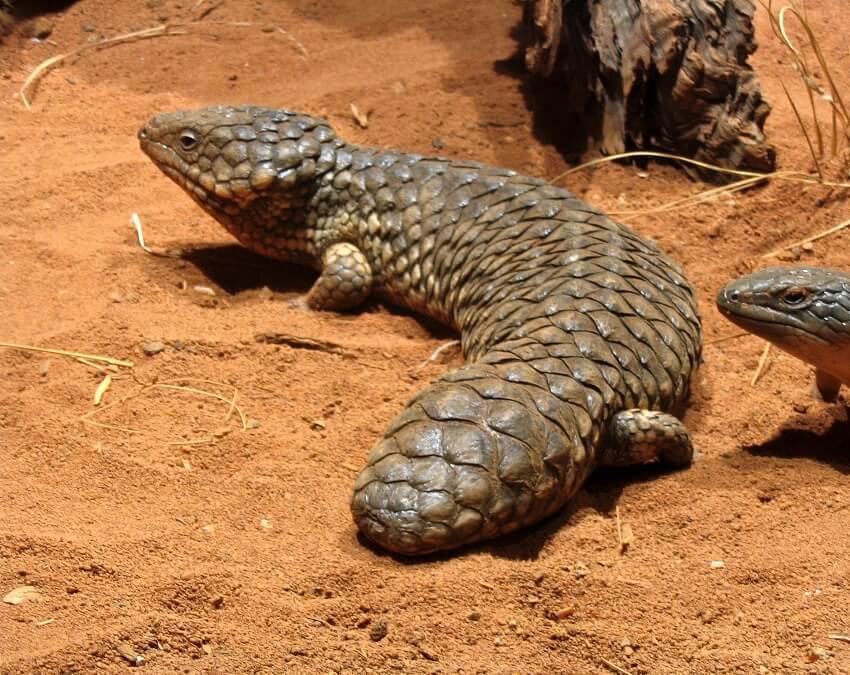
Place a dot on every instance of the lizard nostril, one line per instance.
(735, 296)
(143, 134)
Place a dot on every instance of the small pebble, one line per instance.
(379, 630)
(129, 654)
(819, 654)
(88, 28)
(561, 613)
(581, 571)
(153, 348)
(428, 654)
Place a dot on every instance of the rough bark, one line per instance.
(653, 74)
(6, 20)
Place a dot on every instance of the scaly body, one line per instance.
(579, 334)
(802, 310)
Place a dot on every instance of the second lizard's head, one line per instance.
(246, 166)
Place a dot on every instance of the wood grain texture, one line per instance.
(653, 74)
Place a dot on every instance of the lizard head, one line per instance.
(803, 310)
(227, 157)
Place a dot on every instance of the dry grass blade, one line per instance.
(140, 237)
(761, 365)
(231, 401)
(436, 353)
(144, 387)
(625, 534)
(834, 96)
(748, 179)
(697, 198)
(201, 13)
(726, 338)
(839, 116)
(658, 155)
(73, 355)
(102, 389)
(805, 131)
(619, 528)
(614, 667)
(808, 240)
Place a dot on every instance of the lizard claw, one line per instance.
(299, 303)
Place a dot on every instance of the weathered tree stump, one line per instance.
(668, 75)
(6, 20)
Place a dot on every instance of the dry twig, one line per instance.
(162, 30)
(725, 338)
(762, 362)
(298, 342)
(53, 61)
(140, 237)
(808, 240)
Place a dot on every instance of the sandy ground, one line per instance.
(205, 548)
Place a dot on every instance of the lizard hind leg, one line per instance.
(636, 436)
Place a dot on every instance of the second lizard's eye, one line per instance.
(189, 139)
(795, 295)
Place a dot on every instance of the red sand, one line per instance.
(238, 555)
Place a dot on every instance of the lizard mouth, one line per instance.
(176, 168)
(166, 159)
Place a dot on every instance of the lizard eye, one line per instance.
(189, 139)
(795, 295)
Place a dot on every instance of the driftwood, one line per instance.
(668, 75)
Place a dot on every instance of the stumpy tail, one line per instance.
(483, 451)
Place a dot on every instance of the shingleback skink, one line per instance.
(580, 336)
(802, 310)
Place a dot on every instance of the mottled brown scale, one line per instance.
(579, 334)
